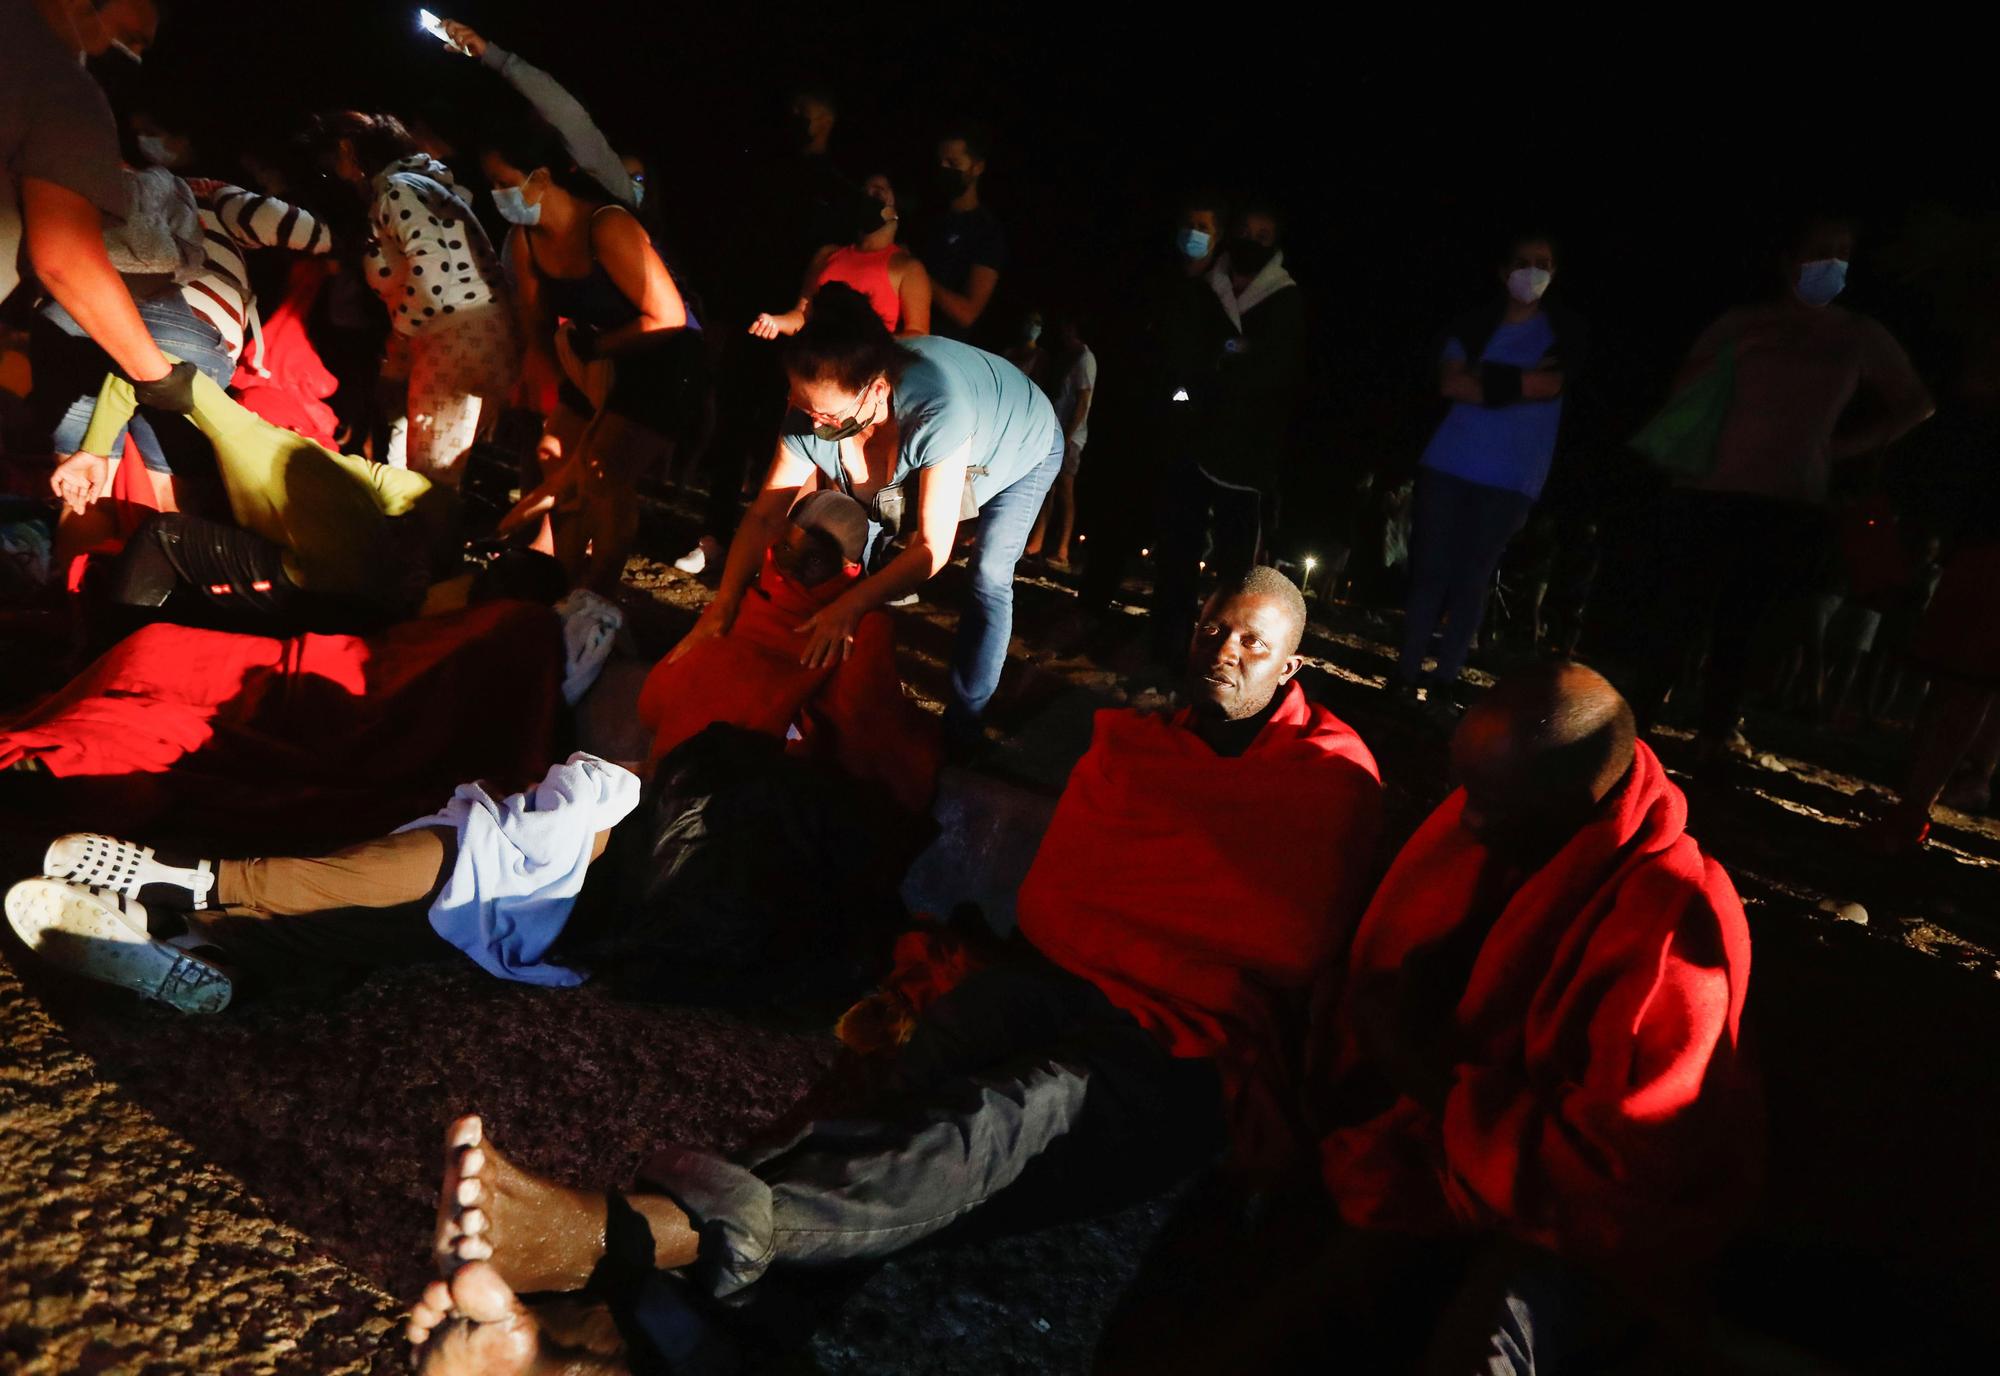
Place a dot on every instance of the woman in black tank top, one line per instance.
(601, 312)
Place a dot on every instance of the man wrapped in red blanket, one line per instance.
(1537, 1037)
(1204, 893)
(851, 711)
(1195, 875)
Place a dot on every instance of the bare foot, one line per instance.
(475, 1326)
(538, 1235)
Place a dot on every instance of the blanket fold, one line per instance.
(1203, 895)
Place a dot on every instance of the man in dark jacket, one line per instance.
(1240, 426)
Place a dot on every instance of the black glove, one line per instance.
(174, 392)
(583, 342)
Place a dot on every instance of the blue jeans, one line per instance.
(1458, 531)
(178, 331)
(987, 623)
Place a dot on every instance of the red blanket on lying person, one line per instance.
(853, 713)
(1203, 894)
(241, 738)
(1598, 1104)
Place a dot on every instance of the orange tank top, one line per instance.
(867, 271)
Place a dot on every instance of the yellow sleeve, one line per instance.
(116, 401)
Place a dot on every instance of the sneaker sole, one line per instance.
(75, 930)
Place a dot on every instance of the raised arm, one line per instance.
(562, 111)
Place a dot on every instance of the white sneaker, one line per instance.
(695, 560)
(908, 599)
(102, 936)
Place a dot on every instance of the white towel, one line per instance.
(521, 862)
(590, 626)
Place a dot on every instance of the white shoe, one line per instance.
(908, 599)
(104, 862)
(102, 936)
(695, 560)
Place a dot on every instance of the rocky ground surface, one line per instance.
(254, 1192)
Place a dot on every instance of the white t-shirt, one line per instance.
(1082, 377)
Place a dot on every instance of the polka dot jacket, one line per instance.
(430, 260)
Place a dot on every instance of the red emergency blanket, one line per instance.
(282, 379)
(1598, 1105)
(239, 739)
(1204, 895)
(853, 713)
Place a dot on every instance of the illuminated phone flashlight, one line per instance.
(1311, 564)
(1180, 394)
(432, 25)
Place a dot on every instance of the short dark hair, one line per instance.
(1264, 581)
(1524, 235)
(528, 144)
(844, 340)
(378, 139)
(1801, 225)
(526, 575)
(1258, 205)
(977, 138)
(1205, 198)
(818, 94)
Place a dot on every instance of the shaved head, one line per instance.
(1538, 754)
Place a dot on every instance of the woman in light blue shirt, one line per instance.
(924, 432)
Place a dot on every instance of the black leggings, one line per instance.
(198, 572)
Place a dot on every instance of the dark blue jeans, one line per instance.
(178, 331)
(1458, 531)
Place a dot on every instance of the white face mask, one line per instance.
(1526, 285)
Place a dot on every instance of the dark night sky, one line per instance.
(1661, 147)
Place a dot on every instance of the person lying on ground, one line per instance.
(1199, 872)
(851, 711)
(494, 875)
(1533, 1072)
(317, 538)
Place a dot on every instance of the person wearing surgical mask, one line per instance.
(1224, 492)
(1505, 369)
(963, 246)
(1814, 384)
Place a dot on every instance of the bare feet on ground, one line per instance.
(539, 1236)
(475, 1326)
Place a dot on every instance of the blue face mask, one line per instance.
(1821, 280)
(514, 207)
(1193, 243)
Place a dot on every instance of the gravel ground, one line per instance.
(253, 1192)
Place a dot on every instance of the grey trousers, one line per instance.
(1022, 1069)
